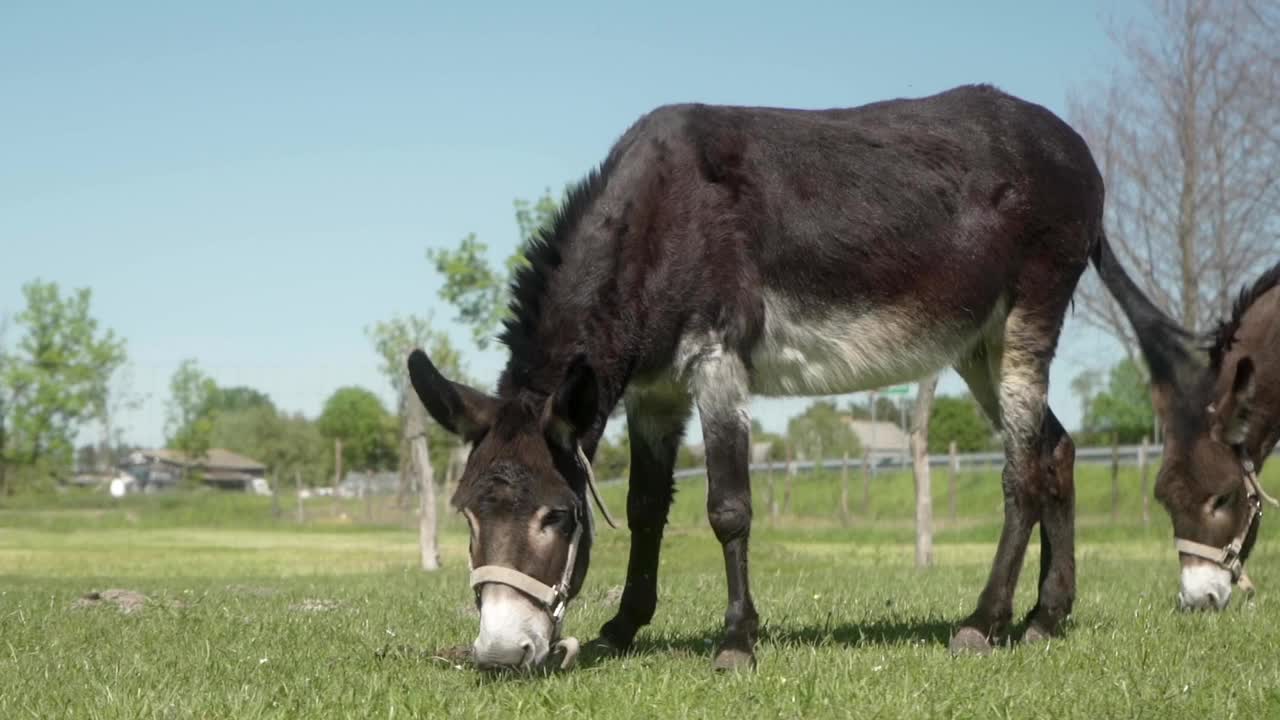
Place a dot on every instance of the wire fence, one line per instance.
(1123, 455)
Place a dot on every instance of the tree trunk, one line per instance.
(953, 469)
(415, 429)
(920, 458)
(844, 490)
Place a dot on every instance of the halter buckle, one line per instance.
(561, 604)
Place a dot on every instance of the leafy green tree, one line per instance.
(959, 420)
(51, 382)
(473, 286)
(286, 444)
(189, 424)
(367, 431)
(1122, 407)
(887, 410)
(822, 432)
(231, 399)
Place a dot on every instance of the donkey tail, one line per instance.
(1168, 347)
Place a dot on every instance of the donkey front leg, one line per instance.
(655, 424)
(721, 392)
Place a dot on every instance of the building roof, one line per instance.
(214, 459)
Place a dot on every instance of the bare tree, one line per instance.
(415, 435)
(393, 340)
(1187, 135)
(117, 397)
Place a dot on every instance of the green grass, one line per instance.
(251, 617)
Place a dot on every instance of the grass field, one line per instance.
(247, 616)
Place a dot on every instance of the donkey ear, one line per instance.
(1230, 421)
(572, 408)
(459, 409)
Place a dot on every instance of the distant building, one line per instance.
(158, 470)
(881, 439)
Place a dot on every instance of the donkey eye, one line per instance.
(1221, 501)
(558, 518)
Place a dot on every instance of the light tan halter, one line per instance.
(1228, 557)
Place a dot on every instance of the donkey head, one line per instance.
(523, 493)
(1204, 480)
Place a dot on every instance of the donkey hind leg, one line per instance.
(1057, 532)
(720, 388)
(1022, 357)
(656, 420)
(1057, 556)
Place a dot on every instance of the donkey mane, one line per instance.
(542, 257)
(1223, 336)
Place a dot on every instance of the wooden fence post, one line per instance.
(866, 484)
(786, 488)
(275, 496)
(953, 469)
(1142, 472)
(773, 495)
(1115, 477)
(368, 497)
(844, 490)
(921, 471)
(297, 483)
(337, 476)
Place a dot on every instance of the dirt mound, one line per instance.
(127, 601)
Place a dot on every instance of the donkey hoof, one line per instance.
(1035, 634)
(970, 641)
(734, 660)
(602, 647)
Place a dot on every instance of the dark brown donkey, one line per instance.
(1218, 399)
(721, 252)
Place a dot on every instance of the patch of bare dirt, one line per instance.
(127, 601)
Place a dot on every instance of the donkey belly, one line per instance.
(849, 349)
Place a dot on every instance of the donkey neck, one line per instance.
(572, 321)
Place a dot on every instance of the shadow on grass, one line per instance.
(849, 635)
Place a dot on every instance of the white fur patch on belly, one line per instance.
(850, 349)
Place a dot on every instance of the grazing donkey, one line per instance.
(1218, 399)
(721, 252)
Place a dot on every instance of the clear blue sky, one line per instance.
(252, 184)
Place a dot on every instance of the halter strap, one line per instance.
(595, 491)
(553, 599)
(1228, 557)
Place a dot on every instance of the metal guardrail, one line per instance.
(1125, 454)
